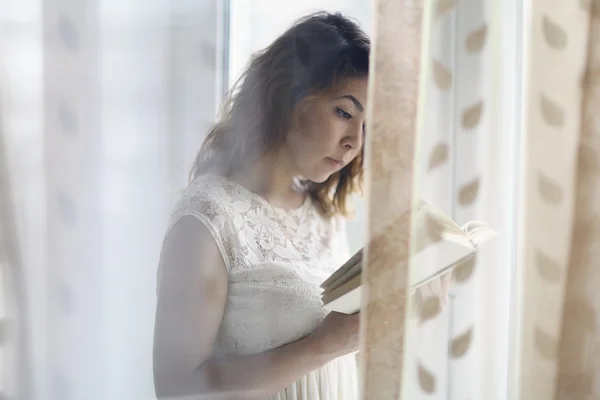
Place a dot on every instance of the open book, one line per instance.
(439, 245)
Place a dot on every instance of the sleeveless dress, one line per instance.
(276, 261)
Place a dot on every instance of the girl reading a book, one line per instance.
(261, 226)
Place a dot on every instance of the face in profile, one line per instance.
(328, 130)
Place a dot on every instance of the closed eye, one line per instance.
(343, 113)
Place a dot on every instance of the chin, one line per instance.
(321, 179)
(318, 177)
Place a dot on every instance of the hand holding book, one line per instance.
(439, 244)
(439, 287)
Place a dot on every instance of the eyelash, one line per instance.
(346, 115)
(343, 113)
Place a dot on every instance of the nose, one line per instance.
(353, 139)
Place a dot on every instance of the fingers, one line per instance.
(439, 288)
(432, 289)
(355, 318)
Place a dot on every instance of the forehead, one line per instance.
(356, 87)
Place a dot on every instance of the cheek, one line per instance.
(322, 130)
(317, 133)
(311, 127)
(300, 145)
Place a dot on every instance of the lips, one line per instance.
(335, 162)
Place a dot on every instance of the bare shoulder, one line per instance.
(192, 289)
(190, 250)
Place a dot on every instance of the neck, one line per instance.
(272, 179)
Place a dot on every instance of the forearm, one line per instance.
(253, 377)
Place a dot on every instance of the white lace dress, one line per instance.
(276, 261)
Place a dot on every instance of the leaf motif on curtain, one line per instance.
(549, 269)
(442, 76)
(430, 308)
(550, 191)
(552, 113)
(439, 155)
(426, 379)
(461, 344)
(472, 115)
(68, 33)
(467, 194)
(443, 6)
(476, 39)
(555, 36)
(546, 345)
(464, 270)
(433, 228)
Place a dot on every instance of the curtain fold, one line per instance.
(392, 117)
(579, 347)
(15, 361)
(556, 55)
(456, 144)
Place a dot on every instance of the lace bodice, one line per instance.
(276, 260)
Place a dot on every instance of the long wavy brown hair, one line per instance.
(317, 53)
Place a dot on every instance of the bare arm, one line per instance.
(191, 299)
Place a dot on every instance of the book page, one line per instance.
(344, 270)
(478, 232)
(431, 225)
(348, 275)
(426, 266)
(436, 260)
(341, 290)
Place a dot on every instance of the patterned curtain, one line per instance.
(558, 202)
(436, 133)
(392, 118)
(455, 145)
(578, 352)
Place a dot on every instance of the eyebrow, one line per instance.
(354, 100)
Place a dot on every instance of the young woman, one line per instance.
(260, 227)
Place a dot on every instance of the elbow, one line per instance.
(177, 383)
(163, 387)
(169, 383)
(167, 388)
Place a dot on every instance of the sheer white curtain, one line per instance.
(22, 119)
(107, 102)
(467, 161)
